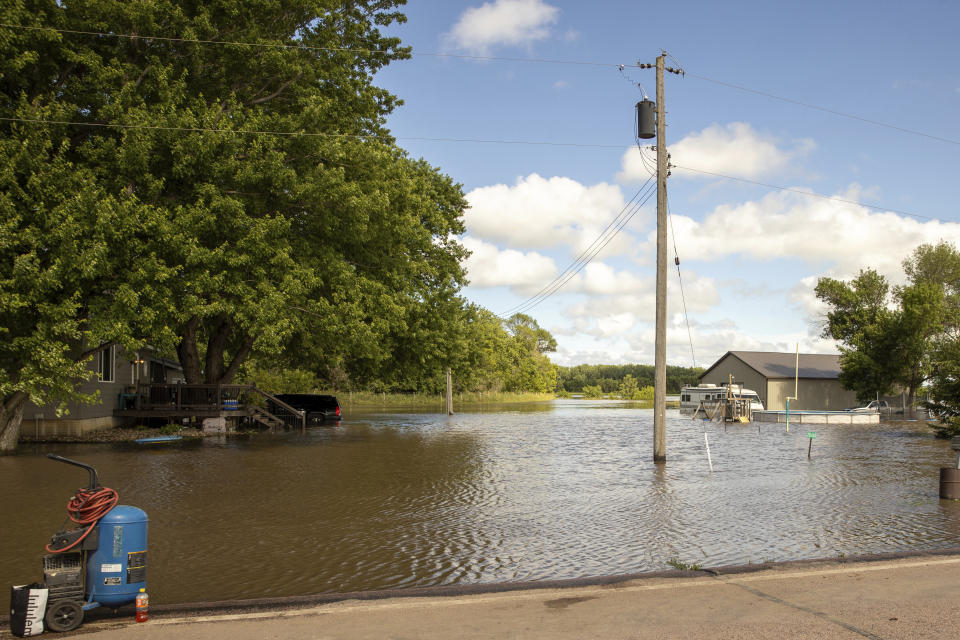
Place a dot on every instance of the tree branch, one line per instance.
(238, 359)
(278, 91)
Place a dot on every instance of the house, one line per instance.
(115, 374)
(772, 376)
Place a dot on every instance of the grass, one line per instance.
(680, 565)
(361, 399)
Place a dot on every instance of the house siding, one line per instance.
(812, 394)
(79, 418)
(742, 374)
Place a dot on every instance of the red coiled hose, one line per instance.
(86, 507)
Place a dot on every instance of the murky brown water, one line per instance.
(568, 490)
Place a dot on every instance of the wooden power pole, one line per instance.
(663, 170)
(660, 353)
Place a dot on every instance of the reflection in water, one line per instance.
(396, 500)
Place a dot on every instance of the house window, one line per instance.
(106, 364)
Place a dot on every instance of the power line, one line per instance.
(842, 114)
(683, 298)
(294, 134)
(411, 52)
(588, 254)
(812, 194)
(550, 287)
(456, 140)
(301, 47)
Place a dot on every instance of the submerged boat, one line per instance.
(706, 397)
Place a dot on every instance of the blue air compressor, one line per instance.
(101, 560)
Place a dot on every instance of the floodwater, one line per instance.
(556, 490)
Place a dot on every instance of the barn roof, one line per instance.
(783, 365)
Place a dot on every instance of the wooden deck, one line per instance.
(177, 401)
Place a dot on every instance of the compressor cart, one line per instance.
(101, 561)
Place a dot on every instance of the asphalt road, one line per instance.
(911, 597)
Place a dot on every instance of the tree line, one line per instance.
(904, 337)
(610, 377)
(216, 181)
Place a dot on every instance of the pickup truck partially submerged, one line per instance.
(873, 406)
(319, 408)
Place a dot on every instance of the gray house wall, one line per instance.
(77, 418)
(742, 375)
(816, 394)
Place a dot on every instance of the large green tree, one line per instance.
(234, 153)
(886, 336)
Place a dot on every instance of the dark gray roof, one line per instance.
(783, 365)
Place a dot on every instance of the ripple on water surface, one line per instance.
(398, 500)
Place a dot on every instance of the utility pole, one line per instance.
(660, 347)
(449, 392)
(660, 354)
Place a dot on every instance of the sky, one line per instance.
(836, 124)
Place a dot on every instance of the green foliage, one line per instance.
(592, 391)
(904, 337)
(885, 340)
(628, 388)
(609, 377)
(140, 205)
(437, 401)
(943, 387)
(170, 429)
(680, 565)
(280, 381)
(947, 428)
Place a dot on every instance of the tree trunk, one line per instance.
(216, 346)
(216, 370)
(11, 416)
(238, 359)
(187, 352)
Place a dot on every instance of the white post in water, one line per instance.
(796, 378)
(707, 442)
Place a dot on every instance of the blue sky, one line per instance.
(750, 255)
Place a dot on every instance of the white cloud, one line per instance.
(504, 23)
(615, 312)
(614, 293)
(488, 266)
(736, 150)
(843, 236)
(539, 213)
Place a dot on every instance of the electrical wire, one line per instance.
(302, 47)
(812, 194)
(86, 507)
(412, 53)
(307, 134)
(842, 114)
(586, 256)
(683, 299)
(470, 140)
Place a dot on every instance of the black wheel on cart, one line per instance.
(63, 615)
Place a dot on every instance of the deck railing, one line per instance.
(211, 398)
